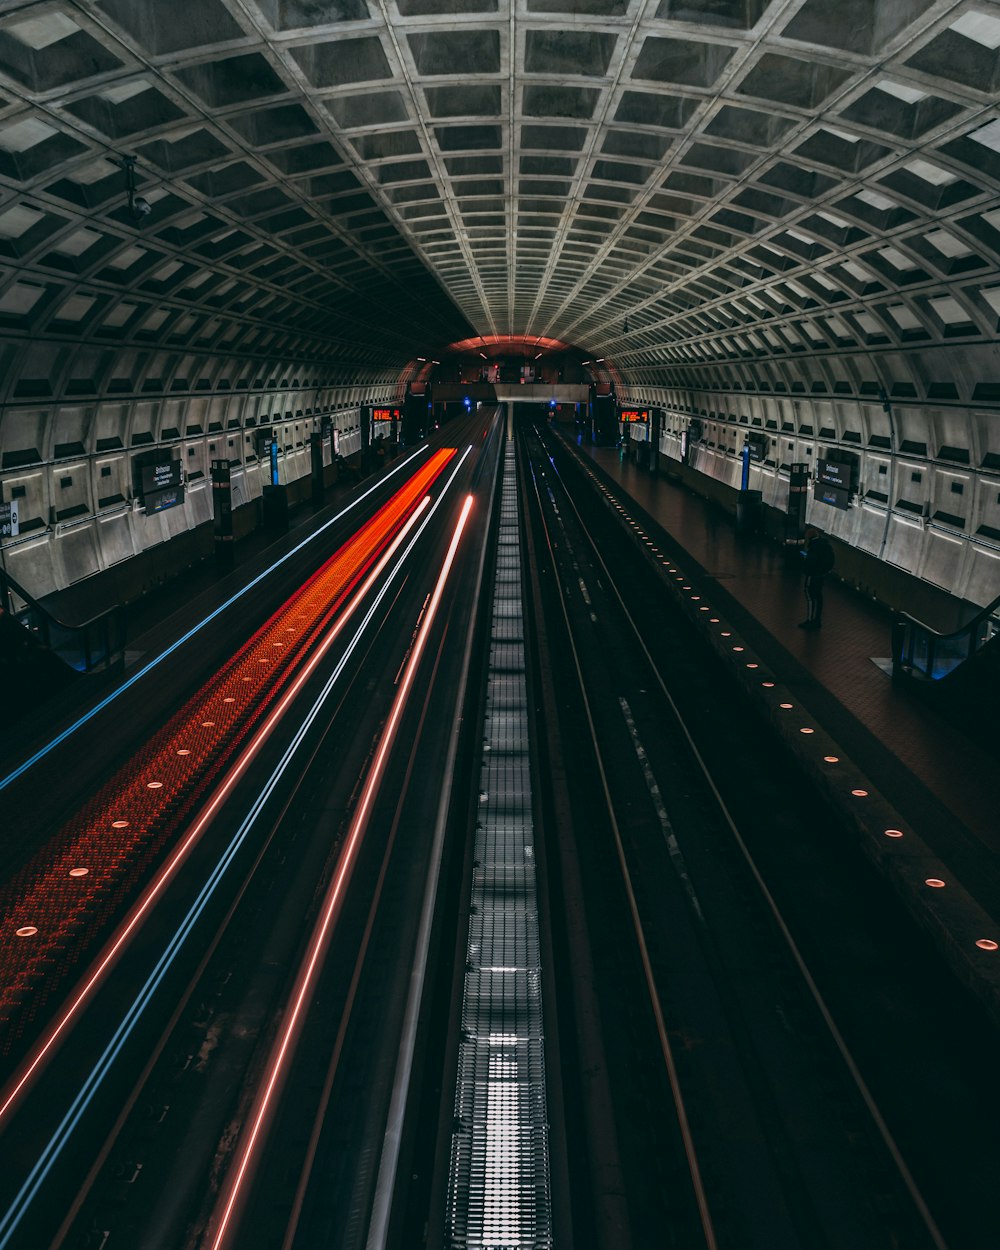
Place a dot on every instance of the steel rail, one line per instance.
(224, 1225)
(11, 1219)
(385, 1185)
(809, 981)
(687, 1138)
(156, 1051)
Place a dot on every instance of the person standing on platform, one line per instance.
(818, 555)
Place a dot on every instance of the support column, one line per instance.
(222, 510)
(795, 519)
(316, 457)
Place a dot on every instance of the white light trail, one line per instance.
(59, 1139)
(99, 707)
(319, 942)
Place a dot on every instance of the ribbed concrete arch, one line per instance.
(769, 214)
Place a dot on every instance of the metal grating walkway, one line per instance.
(498, 1191)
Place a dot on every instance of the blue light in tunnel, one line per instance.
(99, 707)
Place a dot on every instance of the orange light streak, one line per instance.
(319, 941)
(119, 834)
(169, 870)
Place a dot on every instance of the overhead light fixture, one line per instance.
(422, 359)
(484, 356)
(539, 354)
(599, 360)
(138, 206)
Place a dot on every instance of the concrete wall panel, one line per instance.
(870, 531)
(982, 574)
(900, 544)
(115, 537)
(941, 559)
(30, 564)
(69, 491)
(75, 553)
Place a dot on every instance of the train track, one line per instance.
(743, 1098)
(168, 1127)
(737, 1019)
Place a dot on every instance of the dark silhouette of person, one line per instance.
(818, 554)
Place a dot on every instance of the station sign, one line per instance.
(161, 500)
(633, 414)
(834, 483)
(835, 496)
(162, 476)
(161, 486)
(830, 473)
(385, 414)
(10, 523)
(757, 445)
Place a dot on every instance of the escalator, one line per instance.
(957, 673)
(41, 655)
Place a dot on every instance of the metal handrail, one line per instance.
(92, 644)
(918, 650)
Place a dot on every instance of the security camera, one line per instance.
(141, 207)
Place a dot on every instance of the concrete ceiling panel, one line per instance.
(686, 62)
(339, 62)
(568, 52)
(286, 15)
(383, 178)
(476, 100)
(803, 84)
(726, 14)
(862, 26)
(160, 29)
(560, 101)
(374, 108)
(465, 52)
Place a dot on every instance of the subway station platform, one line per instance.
(889, 760)
(183, 583)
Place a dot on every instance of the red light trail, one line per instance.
(319, 941)
(55, 905)
(168, 869)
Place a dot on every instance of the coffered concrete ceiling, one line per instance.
(656, 181)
